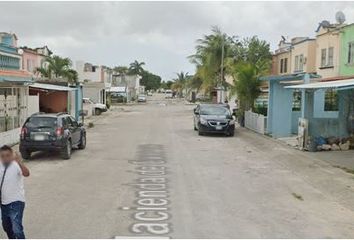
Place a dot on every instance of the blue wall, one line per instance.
(280, 110)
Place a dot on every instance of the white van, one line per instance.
(168, 93)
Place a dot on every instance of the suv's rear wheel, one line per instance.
(66, 151)
(97, 111)
(26, 154)
(82, 144)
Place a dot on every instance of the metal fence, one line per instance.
(256, 122)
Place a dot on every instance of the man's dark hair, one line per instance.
(5, 148)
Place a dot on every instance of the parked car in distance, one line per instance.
(51, 132)
(141, 98)
(168, 93)
(213, 118)
(149, 94)
(98, 107)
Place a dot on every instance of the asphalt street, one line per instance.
(145, 172)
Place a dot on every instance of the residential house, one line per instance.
(131, 84)
(96, 80)
(33, 58)
(281, 58)
(321, 89)
(13, 89)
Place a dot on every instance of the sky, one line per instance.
(161, 34)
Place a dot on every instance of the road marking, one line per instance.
(151, 212)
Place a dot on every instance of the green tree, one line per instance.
(121, 70)
(136, 67)
(150, 80)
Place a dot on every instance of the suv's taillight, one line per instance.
(23, 132)
(59, 131)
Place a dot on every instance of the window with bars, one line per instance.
(331, 100)
(296, 100)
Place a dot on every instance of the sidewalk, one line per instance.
(343, 159)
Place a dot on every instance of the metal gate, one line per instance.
(13, 107)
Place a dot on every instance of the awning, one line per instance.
(51, 87)
(117, 89)
(339, 85)
(288, 77)
(15, 77)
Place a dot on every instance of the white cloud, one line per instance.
(162, 34)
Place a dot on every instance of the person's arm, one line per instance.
(24, 169)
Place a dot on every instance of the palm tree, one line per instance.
(211, 51)
(180, 83)
(246, 85)
(136, 67)
(72, 76)
(56, 66)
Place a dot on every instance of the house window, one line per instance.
(283, 65)
(351, 53)
(296, 63)
(331, 100)
(299, 63)
(330, 56)
(296, 100)
(323, 57)
(327, 60)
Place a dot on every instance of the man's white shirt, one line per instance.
(12, 188)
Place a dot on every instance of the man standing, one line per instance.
(12, 194)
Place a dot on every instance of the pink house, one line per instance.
(33, 58)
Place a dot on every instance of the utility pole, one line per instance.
(221, 86)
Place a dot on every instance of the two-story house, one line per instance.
(13, 89)
(95, 80)
(33, 58)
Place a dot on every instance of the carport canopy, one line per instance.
(339, 85)
(51, 87)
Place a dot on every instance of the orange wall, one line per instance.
(52, 102)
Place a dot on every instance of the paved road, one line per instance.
(146, 172)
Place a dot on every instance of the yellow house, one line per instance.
(303, 55)
(328, 48)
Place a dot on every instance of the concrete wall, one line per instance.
(96, 76)
(33, 104)
(279, 110)
(31, 61)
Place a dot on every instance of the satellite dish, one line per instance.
(340, 17)
(325, 24)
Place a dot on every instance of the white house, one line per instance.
(96, 80)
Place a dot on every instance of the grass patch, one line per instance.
(91, 125)
(297, 196)
(348, 170)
